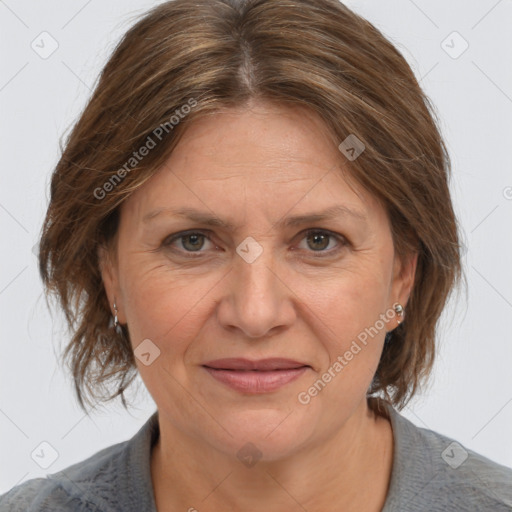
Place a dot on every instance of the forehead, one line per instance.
(264, 155)
(261, 134)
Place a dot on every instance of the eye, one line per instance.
(189, 242)
(318, 240)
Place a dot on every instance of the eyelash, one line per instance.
(316, 254)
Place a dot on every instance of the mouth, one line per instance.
(256, 377)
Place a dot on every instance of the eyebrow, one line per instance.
(211, 220)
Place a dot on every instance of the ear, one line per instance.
(110, 277)
(404, 272)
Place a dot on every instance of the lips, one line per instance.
(262, 365)
(255, 377)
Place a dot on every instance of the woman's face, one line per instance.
(254, 284)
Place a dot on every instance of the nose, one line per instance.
(257, 300)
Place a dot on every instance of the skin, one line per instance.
(302, 299)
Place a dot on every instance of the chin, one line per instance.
(266, 434)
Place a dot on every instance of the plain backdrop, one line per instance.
(461, 52)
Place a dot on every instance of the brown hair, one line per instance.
(216, 54)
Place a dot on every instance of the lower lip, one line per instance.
(256, 381)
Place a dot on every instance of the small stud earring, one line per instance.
(399, 310)
(117, 326)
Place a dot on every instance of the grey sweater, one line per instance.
(430, 473)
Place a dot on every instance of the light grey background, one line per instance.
(471, 395)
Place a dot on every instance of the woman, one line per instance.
(253, 212)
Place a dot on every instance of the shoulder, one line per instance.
(20, 497)
(434, 472)
(67, 489)
(113, 479)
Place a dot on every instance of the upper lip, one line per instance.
(238, 363)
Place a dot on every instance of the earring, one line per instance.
(117, 326)
(399, 310)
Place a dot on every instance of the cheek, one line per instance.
(351, 302)
(165, 305)
(350, 312)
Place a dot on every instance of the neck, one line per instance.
(349, 470)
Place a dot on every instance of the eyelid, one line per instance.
(182, 234)
(342, 240)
